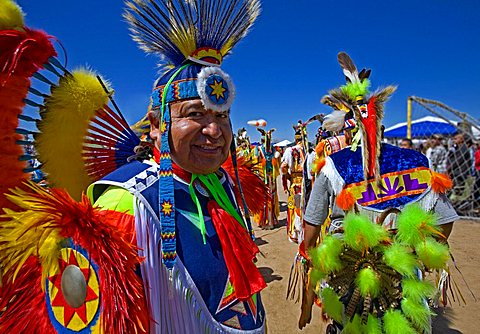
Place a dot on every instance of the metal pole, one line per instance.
(409, 117)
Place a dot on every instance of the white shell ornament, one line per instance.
(74, 286)
(215, 89)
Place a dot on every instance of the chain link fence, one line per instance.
(451, 141)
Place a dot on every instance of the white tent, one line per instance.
(282, 143)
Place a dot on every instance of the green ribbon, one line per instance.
(216, 189)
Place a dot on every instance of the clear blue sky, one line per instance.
(288, 61)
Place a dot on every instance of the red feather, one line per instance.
(22, 53)
(255, 191)
(22, 303)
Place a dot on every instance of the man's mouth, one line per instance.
(209, 149)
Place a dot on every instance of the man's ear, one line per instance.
(154, 126)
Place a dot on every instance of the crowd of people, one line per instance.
(459, 157)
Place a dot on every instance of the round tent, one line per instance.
(422, 127)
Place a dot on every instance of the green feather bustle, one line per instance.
(418, 313)
(368, 282)
(401, 259)
(416, 290)
(395, 323)
(373, 325)
(356, 88)
(433, 254)
(316, 276)
(361, 234)
(354, 326)
(331, 304)
(415, 225)
(325, 257)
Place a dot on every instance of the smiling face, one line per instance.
(199, 139)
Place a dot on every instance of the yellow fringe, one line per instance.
(64, 125)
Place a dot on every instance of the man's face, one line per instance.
(458, 139)
(199, 139)
(405, 144)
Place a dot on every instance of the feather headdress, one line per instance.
(366, 108)
(191, 39)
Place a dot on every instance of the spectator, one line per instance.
(437, 154)
(406, 143)
(459, 163)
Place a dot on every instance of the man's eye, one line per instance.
(222, 115)
(194, 114)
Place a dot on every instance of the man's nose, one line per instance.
(212, 128)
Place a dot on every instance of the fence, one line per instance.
(450, 139)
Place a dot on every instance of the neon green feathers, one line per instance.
(358, 88)
(401, 259)
(11, 16)
(64, 124)
(414, 225)
(433, 254)
(418, 313)
(368, 282)
(325, 256)
(395, 323)
(372, 271)
(331, 304)
(416, 290)
(360, 234)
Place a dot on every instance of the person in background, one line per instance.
(437, 154)
(406, 143)
(459, 163)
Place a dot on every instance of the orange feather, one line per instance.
(345, 200)
(441, 183)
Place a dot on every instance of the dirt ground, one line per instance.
(282, 314)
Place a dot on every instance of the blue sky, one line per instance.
(288, 61)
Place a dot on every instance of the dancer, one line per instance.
(369, 179)
(292, 168)
(163, 248)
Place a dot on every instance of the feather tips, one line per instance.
(11, 16)
(348, 67)
(175, 29)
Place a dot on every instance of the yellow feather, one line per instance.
(11, 16)
(29, 233)
(64, 125)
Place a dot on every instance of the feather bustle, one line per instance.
(105, 235)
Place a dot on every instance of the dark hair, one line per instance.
(409, 141)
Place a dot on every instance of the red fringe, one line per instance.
(239, 252)
(255, 191)
(23, 301)
(345, 200)
(441, 183)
